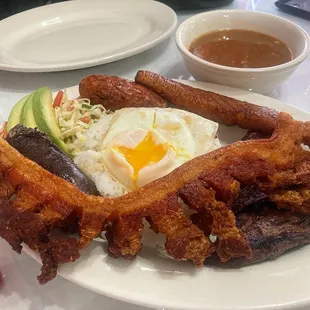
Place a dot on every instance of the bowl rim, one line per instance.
(286, 65)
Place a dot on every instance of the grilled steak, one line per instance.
(249, 195)
(270, 232)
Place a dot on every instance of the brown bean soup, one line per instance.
(241, 48)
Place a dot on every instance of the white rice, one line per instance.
(96, 132)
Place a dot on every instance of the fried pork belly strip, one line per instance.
(33, 202)
(212, 182)
(115, 93)
(216, 107)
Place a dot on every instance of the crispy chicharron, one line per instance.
(33, 202)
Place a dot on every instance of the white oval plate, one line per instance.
(78, 34)
(159, 282)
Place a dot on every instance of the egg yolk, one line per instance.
(145, 153)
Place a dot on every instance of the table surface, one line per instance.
(20, 290)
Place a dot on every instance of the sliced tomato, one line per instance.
(58, 99)
(85, 119)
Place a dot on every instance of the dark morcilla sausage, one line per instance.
(36, 146)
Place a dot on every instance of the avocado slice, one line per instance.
(45, 117)
(14, 117)
(27, 117)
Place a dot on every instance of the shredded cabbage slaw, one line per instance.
(74, 117)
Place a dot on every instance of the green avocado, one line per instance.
(14, 117)
(45, 117)
(27, 117)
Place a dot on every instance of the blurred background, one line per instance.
(10, 7)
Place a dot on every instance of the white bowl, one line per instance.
(261, 80)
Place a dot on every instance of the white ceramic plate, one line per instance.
(78, 34)
(159, 282)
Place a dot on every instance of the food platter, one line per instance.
(108, 30)
(159, 282)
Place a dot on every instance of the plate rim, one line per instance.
(129, 297)
(95, 61)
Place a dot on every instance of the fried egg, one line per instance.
(140, 145)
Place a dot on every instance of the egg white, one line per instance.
(183, 136)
